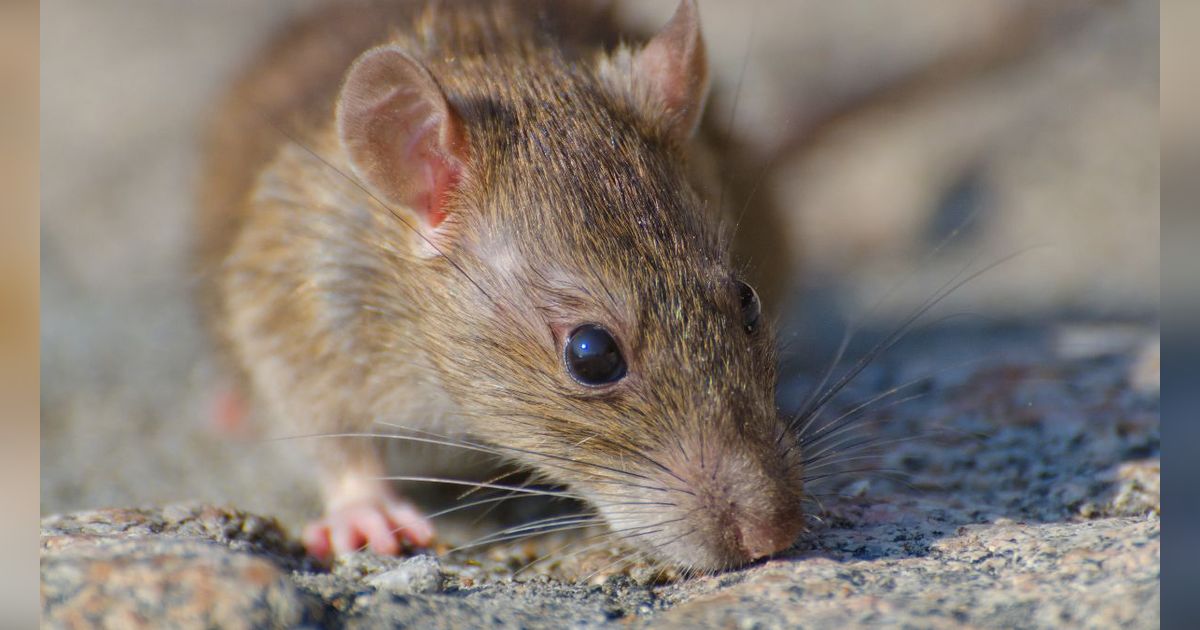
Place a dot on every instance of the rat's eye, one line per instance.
(592, 356)
(751, 309)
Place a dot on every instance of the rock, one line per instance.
(1016, 575)
(166, 582)
(901, 562)
(182, 566)
(418, 574)
(190, 521)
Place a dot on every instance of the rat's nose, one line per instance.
(759, 535)
(738, 503)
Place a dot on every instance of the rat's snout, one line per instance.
(745, 513)
(736, 503)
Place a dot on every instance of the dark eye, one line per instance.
(751, 309)
(592, 356)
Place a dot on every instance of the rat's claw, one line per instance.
(416, 528)
(316, 541)
(379, 525)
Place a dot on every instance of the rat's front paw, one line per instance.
(381, 525)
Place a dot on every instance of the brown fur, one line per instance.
(578, 205)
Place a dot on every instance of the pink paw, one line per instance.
(381, 526)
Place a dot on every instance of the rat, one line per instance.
(495, 220)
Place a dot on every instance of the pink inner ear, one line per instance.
(439, 174)
(401, 134)
(443, 180)
(674, 67)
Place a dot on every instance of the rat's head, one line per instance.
(585, 312)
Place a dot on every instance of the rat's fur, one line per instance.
(576, 204)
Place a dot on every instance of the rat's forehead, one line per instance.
(621, 191)
(623, 289)
(577, 147)
(586, 186)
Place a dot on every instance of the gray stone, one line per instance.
(183, 566)
(418, 574)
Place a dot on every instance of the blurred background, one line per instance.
(903, 139)
(1181, 303)
(19, 311)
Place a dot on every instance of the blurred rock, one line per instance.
(180, 566)
(418, 574)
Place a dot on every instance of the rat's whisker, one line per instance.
(837, 462)
(548, 555)
(852, 447)
(806, 407)
(547, 525)
(829, 431)
(543, 526)
(945, 290)
(636, 552)
(632, 553)
(447, 442)
(855, 471)
(851, 421)
(621, 559)
(811, 406)
(847, 447)
(625, 449)
(500, 450)
(855, 417)
(495, 479)
(462, 482)
(816, 498)
(517, 533)
(911, 383)
(493, 506)
(493, 500)
(897, 476)
(606, 538)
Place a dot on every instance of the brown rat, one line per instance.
(491, 224)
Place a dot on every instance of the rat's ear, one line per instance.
(672, 71)
(404, 139)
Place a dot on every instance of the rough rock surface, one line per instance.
(150, 568)
(126, 568)
(1033, 503)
